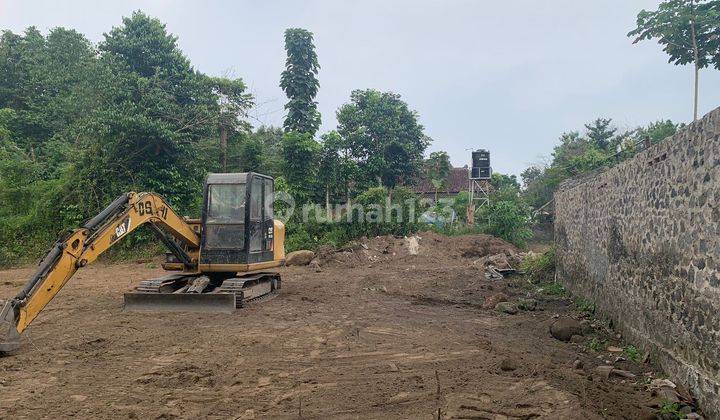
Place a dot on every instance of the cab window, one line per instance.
(256, 199)
(226, 203)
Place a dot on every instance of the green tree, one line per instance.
(437, 170)
(507, 216)
(383, 136)
(158, 124)
(47, 81)
(600, 133)
(657, 131)
(233, 103)
(571, 145)
(251, 155)
(335, 168)
(300, 83)
(688, 30)
(499, 181)
(271, 140)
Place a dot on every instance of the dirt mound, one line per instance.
(425, 245)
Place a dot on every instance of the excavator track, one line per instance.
(177, 293)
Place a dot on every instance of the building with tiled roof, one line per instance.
(458, 180)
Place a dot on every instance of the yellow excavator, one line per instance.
(220, 259)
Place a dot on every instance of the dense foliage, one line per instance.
(383, 137)
(82, 124)
(601, 145)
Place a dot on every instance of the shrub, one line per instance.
(540, 267)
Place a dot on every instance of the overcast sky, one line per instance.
(508, 76)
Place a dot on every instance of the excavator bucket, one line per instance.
(9, 337)
(180, 293)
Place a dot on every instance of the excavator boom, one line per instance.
(84, 245)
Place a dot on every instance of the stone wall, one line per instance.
(642, 240)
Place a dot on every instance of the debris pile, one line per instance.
(483, 250)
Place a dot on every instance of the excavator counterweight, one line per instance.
(218, 258)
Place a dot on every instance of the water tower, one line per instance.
(479, 187)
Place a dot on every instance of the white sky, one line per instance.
(508, 76)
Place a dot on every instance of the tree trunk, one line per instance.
(223, 147)
(696, 58)
(327, 202)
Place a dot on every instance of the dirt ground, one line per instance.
(378, 333)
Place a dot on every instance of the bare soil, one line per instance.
(378, 333)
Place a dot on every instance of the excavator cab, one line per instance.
(237, 221)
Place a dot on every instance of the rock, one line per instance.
(492, 301)
(607, 371)
(302, 257)
(507, 307)
(577, 364)
(694, 416)
(685, 410)
(508, 365)
(79, 398)
(577, 339)
(527, 304)
(613, 349)
(564, 328)
(392, 367)
(412, 244)
(667, 394)
(604, 371)
(622, 373)
(661, 383)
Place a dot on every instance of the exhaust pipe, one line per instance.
(9, 336)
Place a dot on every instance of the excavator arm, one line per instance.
(84, 245)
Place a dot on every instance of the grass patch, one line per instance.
(540, 267)
(632, 353)
(597, 345)
(673, 409)
(585, 306)
(552, 289)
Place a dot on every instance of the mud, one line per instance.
(397, 336)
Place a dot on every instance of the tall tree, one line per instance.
(300, 83)
(688, 30)
(330, 166)
(233, 103)
(384, 137)
(158, 126)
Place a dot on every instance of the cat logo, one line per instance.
(121, 230)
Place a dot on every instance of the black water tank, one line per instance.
(480, 165)
(481, 159)
(480, 173)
